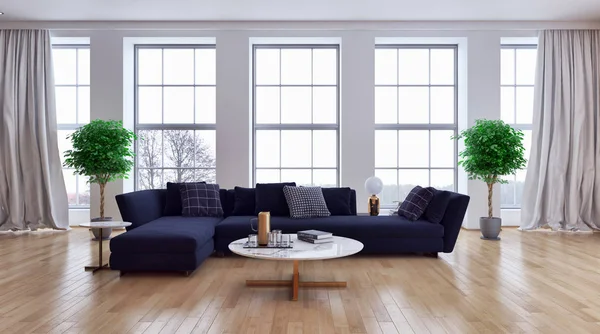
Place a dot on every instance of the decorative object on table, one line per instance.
(374, 186)
(285, 241)
(102, 151)
(315, 236)
(200, 200)
(101, 226)
(306, 202)
(394, 211)
(416, 202)
(492, 149)
(263, 227)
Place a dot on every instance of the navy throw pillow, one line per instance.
(200, 200)
(415, 203)
(270, 197)
(244, 201)
(338, 200)
(437, 207)
(173, 202)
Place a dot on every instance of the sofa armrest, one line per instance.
(141, 207)
(453, 219)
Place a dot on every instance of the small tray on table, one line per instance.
(291, 245)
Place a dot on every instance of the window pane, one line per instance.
(390, 193)
(150, 66)
(526, 60)
(149, 148)
(179, 148)
(524, 105)
(302, 177)
(324, 105)
(179, 65)
(179, 105)
(84, 190)
(386, 105)
(519, 185)
(325, 177)
(65, 66)
(296, 67)
(178, 176)
(149, 105)
(206, 66)
(267, 149)
(83, 63)
(442, 66)
(386, 67)
(83, 103)
(149, 179)
(413, 66)
(413, 148)
(208, 175)
(206, 148)
(295, 105)
(267, 66)
(442, 149)
(71, 185)
(413, 105)
(442, 105)
(409, 178)
(507, 104)
(206, 105)
(324, 148)
(296, 148)
(507, 197)
(64, 143)
(507, 66)
(268, 176)
(267, 105)
(66, 105)
(324, 66)
(442, 179)
(386, 148)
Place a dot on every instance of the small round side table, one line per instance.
(100, 226)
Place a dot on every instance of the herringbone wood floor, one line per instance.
(527, 283)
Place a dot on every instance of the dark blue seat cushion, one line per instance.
(338, 201)
(357, 227)
(167, 235)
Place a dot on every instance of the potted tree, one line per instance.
(492, 149)
(102, 151)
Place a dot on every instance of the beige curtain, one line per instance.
(562, 188)
(32, 189)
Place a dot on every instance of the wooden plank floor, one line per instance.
(534, 282)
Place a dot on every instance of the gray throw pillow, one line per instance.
(200, 200)
(416, 203)
(306, 202)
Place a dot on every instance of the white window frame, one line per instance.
(429, 127)
(162, 126)
(76, 125)
(307, 126)
(519, 126)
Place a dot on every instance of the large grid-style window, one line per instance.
(72, 91)
(415, 118)
(296, 114)
(175, 114)
(518, 64)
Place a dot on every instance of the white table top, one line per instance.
(340, 247)
(105, 224)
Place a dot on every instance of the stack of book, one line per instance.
(315, 236)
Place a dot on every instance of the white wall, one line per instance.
(479, 81)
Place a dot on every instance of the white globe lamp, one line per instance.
(374, 186)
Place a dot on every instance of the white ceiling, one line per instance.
(300, 10)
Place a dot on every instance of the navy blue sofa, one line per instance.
(155, 242)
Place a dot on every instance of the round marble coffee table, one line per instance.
(302, 251)
(100, 226)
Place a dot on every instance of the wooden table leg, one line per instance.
(295, 281)
(100, 266)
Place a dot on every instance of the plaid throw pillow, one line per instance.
(415, 203)
(306, 202)
(200, 200)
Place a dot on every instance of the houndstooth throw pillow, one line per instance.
(200, 200)
(306, 202)
(415, 203)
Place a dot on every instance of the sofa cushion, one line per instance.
(415, 203)
(437, 207)
(244, 202)
(167, 235)
(338, 200)
(357, 227)
(173, 203)
(200, 200)
(270, 197)
(305, 202)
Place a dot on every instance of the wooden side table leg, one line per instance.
(295, 281)
(100, 254)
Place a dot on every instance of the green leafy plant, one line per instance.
(492, 149)
(102, 150)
